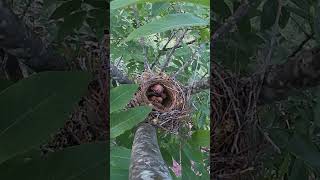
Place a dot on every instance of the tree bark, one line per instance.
(116, 74)
(297, 73)
(146, 159)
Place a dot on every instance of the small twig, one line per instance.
(185, 64)
(165, 48)
(266, 63)
(162, 50)
(26, 9)
(142, 41)
(232, 99)
(235, 142)
(231, 21)
(169, 55)
(299, 48)
(299, 26)
(236, 173)
(204, 75)
(145, 53)
(187, 43)
(266, 135)
(4, 64)
(119, 61)
(267, 59)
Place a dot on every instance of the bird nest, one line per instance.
(167, 98)
(233, 104)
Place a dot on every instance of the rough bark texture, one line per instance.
(297, 73)
(18, 40)
(146, 159)
(117, 75)
(199, 86)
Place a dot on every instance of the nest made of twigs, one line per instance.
(172, 111)
(233, 104)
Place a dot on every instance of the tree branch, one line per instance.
(179, 46)
(164, 48)
(146, 159)
(231, 21)
(185, 65)
(169, 55)
(117, 75)
(301, 45)
(198, 86)
(282, 80)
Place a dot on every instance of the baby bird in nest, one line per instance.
(157, 94)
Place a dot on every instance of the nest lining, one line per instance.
(169, 114)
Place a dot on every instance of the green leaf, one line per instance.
(174, 150)
(283, 169)
(4, 84)
(244, 25)
(119, 174)
(305, 150)
(121, 95)
(204, 35)
(166, 23)
(298, 12)
(73, 163)
(116, 4)
(71, 22)
(316, 109)
(158, 7)
(192, 153)
(269, 13)
(280, 137)
(97, 21)
(96, 172)
(120, 157)
(65, 9)
(221, 8)
(303, 4)
(198, 167)
(316, 26)
(186, 171)
(125, 120)
(35, 107)
(120, 161)
(126, 139)
(284, 17)
(201, 138)
(166, 156)
(299, 171)
(100, 4)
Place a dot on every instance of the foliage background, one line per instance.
(37, 107)
(292, 124)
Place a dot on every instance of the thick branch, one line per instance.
(117, 75)
(199, 86)
(300, 72)
(18, 40)
(146, 159)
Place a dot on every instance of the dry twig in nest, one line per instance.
(234, 120)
